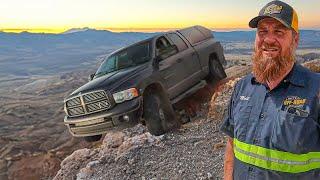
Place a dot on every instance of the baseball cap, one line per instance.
(280, 11)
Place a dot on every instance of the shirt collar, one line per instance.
(294, 77)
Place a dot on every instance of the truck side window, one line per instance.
(164, 48)
(177, 41)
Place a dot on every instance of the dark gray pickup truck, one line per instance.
(139, 83)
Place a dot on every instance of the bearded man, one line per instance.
(273, 120)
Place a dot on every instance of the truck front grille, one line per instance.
(76, 111)
(74, 102)
(87, 103)
(94, 96)
(98, 105)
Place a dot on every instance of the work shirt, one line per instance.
(276, 133)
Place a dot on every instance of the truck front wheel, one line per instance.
(159, 116)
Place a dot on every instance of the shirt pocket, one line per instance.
(292, 132)
(241, 121)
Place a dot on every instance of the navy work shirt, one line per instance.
(285, 119)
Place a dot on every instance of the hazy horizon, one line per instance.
(140, 15)
(119, 30)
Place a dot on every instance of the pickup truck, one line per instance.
(141, 82)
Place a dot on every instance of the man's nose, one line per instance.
(270, 38)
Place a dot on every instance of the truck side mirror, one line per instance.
(91, 76)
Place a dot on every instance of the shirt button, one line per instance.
(261, 116)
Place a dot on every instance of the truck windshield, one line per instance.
(128, 57)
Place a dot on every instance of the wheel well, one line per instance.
(219, 72)
(152, 89)
(213, 56)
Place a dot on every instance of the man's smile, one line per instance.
(270, 49)
(273, 51)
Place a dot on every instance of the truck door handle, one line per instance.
(179, 60)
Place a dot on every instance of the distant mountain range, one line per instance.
(40, 53)
(74, 30)
(308, 38)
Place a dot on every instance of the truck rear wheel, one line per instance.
(216, 71)
(159, 116)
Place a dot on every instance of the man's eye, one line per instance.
(280, 33)
(261, 32)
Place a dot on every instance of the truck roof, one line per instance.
(196, 34)
(193, 34)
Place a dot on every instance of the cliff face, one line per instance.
(33, 138)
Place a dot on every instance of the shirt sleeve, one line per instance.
(227, 126)
(318, 107)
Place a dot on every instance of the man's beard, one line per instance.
(267, 69)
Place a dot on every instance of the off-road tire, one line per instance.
(216, 71)
(158, 114)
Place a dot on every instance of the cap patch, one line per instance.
(273, 9)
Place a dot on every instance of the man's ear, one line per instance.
(296, 38)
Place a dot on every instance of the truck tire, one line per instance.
(93, 138)
(216, 71)
(158, 115)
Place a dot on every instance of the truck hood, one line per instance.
(110, 80)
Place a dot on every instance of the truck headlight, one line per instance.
(125, 95)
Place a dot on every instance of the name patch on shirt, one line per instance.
(294, 101)
(244, 98)
(295, 105)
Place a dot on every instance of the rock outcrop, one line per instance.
(114, 148)
(313, 65)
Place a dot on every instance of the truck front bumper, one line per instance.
(104, 121)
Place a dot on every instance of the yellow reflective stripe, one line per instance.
(275, 153)
(276, 160)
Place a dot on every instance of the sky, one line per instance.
(55, 16)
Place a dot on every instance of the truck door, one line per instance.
(188, 60)
(169, 66)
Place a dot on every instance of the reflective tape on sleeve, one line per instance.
(274, 159)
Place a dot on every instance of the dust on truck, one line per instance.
(141, 82)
